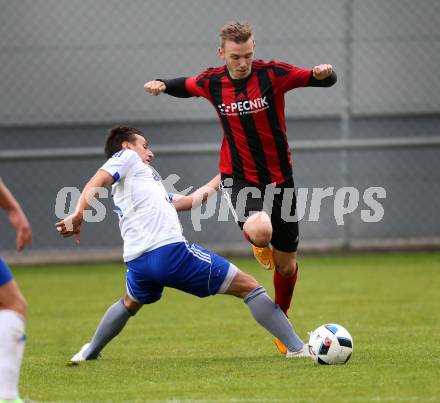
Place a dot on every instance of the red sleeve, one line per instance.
(198, 86)
(290, 77)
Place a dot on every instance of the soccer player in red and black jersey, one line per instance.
(248, 96)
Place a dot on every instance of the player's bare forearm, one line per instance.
(182, 203)
(99, 180)
(7, 200)
(199, 196)
(71, 224)
(16, 216)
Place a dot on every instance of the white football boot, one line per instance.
(304, 352)
(79, 357)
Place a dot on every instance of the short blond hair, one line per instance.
(236, 31)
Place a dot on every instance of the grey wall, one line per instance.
(87, 60)
(70, 69)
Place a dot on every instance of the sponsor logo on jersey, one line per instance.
(244, 107)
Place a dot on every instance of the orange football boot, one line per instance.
(280, 346)
(264, 257)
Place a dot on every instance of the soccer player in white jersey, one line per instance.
(13, 306)
(155, 251)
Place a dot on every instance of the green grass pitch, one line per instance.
(188, 349)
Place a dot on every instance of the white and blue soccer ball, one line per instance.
(330, 344)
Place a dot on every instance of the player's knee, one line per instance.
(22, 306)
(130, 305)
(259, 228)
(288, 269)
(17, 304)
(242, 285)
(252, 283)
(262, 237)
(249, 284)
(260, 233)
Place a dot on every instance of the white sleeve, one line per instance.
(120, 164)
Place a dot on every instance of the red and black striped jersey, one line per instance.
(251, 110)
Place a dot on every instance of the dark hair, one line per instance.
(116, 136)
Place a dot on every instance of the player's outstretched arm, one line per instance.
(199, 196)
(175, 87)
(71, 225)
(16, 217)
(323, 75)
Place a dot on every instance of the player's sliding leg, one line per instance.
(196, 271)
(113, 321)
(267, 313)
(284, 280)
(258, 231)
(270, 316)
(12, 336)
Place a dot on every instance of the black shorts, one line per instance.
(279, 202)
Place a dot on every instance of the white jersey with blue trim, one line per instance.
(147, 217)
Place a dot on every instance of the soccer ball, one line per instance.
(330, 344)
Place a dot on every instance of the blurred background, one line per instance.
(70, 69)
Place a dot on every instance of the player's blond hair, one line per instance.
(236, 31)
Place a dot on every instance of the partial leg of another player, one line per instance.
(285, 277)
(12, 334)
(284, 280)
